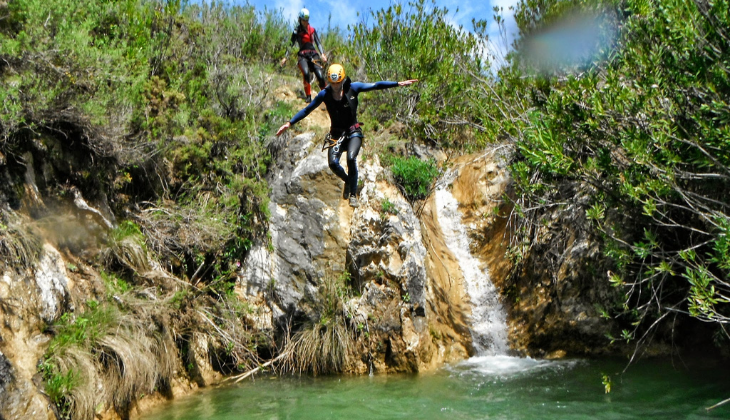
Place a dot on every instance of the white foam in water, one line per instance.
(505, 366)
(502, 365)
(489, 322)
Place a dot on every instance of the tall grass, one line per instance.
(124, 355)
(323, 344)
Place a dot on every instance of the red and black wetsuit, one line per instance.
(306, 39)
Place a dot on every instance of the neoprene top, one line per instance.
(306, 39)
(342, 116)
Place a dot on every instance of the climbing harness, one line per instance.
(330, 142)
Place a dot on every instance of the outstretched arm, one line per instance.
(302, 113)
(365, 87)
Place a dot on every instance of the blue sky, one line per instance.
(345, 12)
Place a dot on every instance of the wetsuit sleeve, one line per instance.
(316, 101)
(292, 41)
(315, 37)
(365, 87)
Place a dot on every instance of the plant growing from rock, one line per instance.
(323, 344)
(634, 141)
(414, 177)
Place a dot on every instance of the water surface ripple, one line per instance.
(488, 387)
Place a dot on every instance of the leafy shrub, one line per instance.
(414, 177)
(640, 129)
(417, 42)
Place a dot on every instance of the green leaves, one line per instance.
(543, 149)
(644, 134)
(414, 176)
(417, 42)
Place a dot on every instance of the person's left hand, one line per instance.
(283, 128)
(324, 57)
(407, 82)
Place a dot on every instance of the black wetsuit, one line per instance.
(343, 116)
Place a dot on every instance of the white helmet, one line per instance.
(304, 14)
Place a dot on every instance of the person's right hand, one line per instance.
(283, 61)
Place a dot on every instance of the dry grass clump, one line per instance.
(172, 229)
(226, 324)
(126, 247)
(123, 354)
(20, 244)
(322, 346)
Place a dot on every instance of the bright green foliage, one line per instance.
(83, 330)
(414, 176)
(167, 94)
(416, 42)
(387, 207)
(643, 129)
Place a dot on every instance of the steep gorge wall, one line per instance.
(411, 298)
(315, 233)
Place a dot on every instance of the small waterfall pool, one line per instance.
(488, 387)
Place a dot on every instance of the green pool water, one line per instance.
(498, 387)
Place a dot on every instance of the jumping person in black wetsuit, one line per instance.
(340, 98)
(308, 58)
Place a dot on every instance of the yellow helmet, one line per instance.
(336, 73)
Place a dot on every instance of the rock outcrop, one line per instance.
(413, 309)
(29, 301)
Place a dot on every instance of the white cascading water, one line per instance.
(488, 318)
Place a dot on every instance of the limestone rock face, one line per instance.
(412, 307)
(304, 227)
(30, 300)
(315, 234)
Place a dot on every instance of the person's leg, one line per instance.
(319, 74)
(333, 158)
(303, 64)
(353, 148)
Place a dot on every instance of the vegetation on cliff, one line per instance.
(634, 135)
(161, 111)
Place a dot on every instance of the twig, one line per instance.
(239, 378)
(718, 404)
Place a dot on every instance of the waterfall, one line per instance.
(488, 318)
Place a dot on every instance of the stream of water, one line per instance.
(488, 318)
(488, 387)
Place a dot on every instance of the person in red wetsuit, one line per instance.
(309, 54)
(340, 98)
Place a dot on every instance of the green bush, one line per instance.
(642, 128)
(414, 177)
(417, 42)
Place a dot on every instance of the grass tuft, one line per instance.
(322, 346)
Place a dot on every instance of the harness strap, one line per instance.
(349, 129)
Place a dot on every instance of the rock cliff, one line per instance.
(411, 304)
